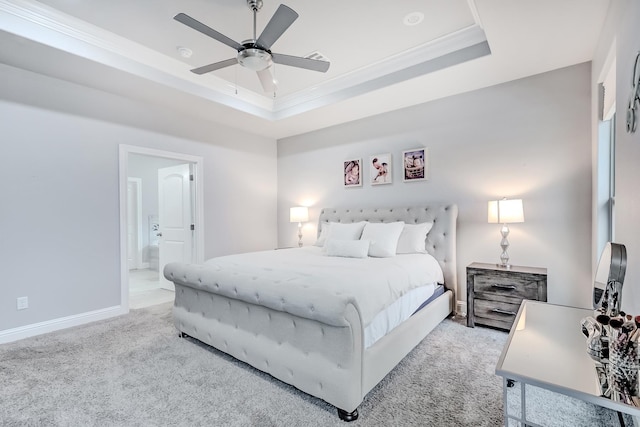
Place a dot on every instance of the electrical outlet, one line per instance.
(22, 303)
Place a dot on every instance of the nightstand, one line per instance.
(494, 293)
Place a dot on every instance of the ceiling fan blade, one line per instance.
(199, 26)
(266, 79)
(215, 66)
(300, 62)
(280, 21)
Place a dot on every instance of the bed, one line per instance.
(301, 328)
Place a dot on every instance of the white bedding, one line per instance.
(396, 313)
(306, 277)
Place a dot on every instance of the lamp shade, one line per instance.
(299, 214)
(505, 211)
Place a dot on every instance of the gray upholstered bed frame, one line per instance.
(326, 361)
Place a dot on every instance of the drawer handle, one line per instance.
(510, 313)
(498, 285)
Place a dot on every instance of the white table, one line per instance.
(545, 367)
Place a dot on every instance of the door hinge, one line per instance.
(193, 227)
(191, 177)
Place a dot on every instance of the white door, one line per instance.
(175, 218)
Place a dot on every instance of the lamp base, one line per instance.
(504, 244)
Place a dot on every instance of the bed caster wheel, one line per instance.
(348, 416)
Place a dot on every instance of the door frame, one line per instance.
(198, 213)
(137, 258)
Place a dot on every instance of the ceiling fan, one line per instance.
(255, 54)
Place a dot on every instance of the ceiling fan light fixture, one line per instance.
(255, 53)
(255, 59)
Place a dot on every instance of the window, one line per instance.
(605, 173)
(606, 182)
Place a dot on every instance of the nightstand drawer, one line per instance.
(518, 287)
(501, 312)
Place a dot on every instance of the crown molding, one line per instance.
(35, 21)
(50, 27)
(451, 49)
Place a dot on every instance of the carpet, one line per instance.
(134, 370)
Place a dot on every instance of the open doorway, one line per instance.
(162, 220)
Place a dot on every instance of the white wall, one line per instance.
(627, 213)
(59, 215)
(623, 33)
(528, 138)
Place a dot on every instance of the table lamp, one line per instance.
(505, 212)
(299, 214)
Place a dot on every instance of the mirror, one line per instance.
(607, 285)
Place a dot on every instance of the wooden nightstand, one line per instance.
(494, 293)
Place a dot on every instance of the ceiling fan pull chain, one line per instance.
(274, 80)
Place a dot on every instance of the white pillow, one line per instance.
(342, 231)
(324, 233)
(412, 238)
(347, 248)
(383, 236)
(337, 230)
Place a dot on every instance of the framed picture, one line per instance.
(415, 165)
(380, 169)
(352, 173)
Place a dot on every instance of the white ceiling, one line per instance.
(378, 63)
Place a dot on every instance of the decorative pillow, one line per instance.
(324, 233)
(347, 248)
(383, 236)
(342, 231)
(411, 239)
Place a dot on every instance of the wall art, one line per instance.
(352, 173)
(380, 167)
(415, 165)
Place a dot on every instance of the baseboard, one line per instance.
(461, 308)
(27, 331)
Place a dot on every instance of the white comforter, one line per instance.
(307, 283)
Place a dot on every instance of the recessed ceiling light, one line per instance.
(185, 52)
(413, 18)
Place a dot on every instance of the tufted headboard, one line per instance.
(440, 242)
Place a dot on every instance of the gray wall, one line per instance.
(623, 32)
(528, 138)
(59, 218)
